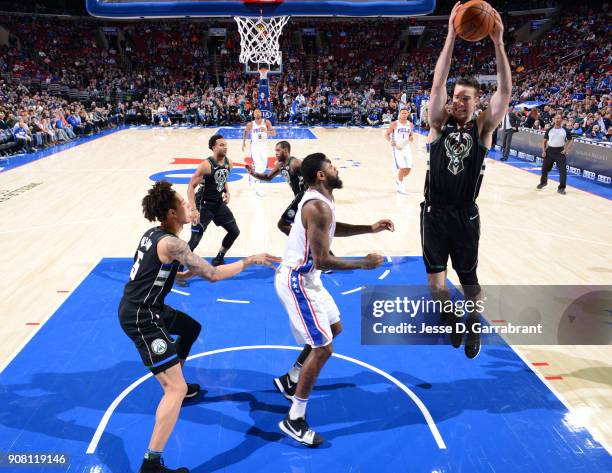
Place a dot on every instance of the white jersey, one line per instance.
(259, 134)
(401, 134)
(297, 253)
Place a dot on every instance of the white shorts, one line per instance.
(312, 310)
(402, 158)
(259, 155)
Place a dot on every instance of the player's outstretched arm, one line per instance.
(439, 96)
(263, 176)
(493, 115)
(346, 229)
(317, 218)
(174, 249)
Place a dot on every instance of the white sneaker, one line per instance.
(400, 188)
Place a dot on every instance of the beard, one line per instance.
(335, 182)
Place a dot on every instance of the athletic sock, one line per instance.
(298, 408)
(294, 372)
(152, 454)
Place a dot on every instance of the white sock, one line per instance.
(294, 372)
(298, 408)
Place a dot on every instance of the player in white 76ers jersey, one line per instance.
(259, 129)
(313, 315)
(399, 134)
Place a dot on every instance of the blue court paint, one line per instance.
(183, 176)
(282, 133)
(493, 412)
(11, 162)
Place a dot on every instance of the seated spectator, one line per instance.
(22, 136)
(595, 134)
(577, 130)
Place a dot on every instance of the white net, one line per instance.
(259, 39)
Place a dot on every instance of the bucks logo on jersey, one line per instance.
(458, 146)
(221, 178)
(285, 175)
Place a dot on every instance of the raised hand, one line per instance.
(497, 33)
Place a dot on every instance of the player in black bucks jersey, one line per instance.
(150, 323)
(291, 169)
(209, 201)
(459, 142)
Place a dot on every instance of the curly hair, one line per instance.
(160, 198)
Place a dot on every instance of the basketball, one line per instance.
(475, 20)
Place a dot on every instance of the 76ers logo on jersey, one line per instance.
(458, 146)
(221, 178)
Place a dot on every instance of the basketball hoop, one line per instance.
(259, 39)
(263, 72)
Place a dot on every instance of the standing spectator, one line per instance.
(509, 126)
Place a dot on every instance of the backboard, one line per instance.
(266, 8)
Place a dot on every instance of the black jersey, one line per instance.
(150, 279)
(293, 178)
(213, 185)
(455, 166)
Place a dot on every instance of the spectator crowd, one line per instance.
(66, 77)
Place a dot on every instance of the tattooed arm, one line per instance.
(174, 249)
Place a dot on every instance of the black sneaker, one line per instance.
(218, 261)
(472, 340)
(285, 386)
(192, 390)
(180, 282)
(541, 186)
(157, 466)
(299, 430)
(456, 335)
(561, 191)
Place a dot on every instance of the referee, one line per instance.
(557, 143)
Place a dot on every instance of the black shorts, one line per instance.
(217, 212)
(450, 231)
(150, 329)
(289, 213)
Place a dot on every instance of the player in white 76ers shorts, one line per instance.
(259, 129)
(313, 314)
(399, 134)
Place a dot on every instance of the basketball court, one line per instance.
(71, 382)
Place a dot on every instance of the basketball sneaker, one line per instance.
(472, 340)
(180, 282)
(299, 430)
(192, 390)
(285, 386)
(541, 186)
(456, 335)
(218, 260)
(156, 465)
